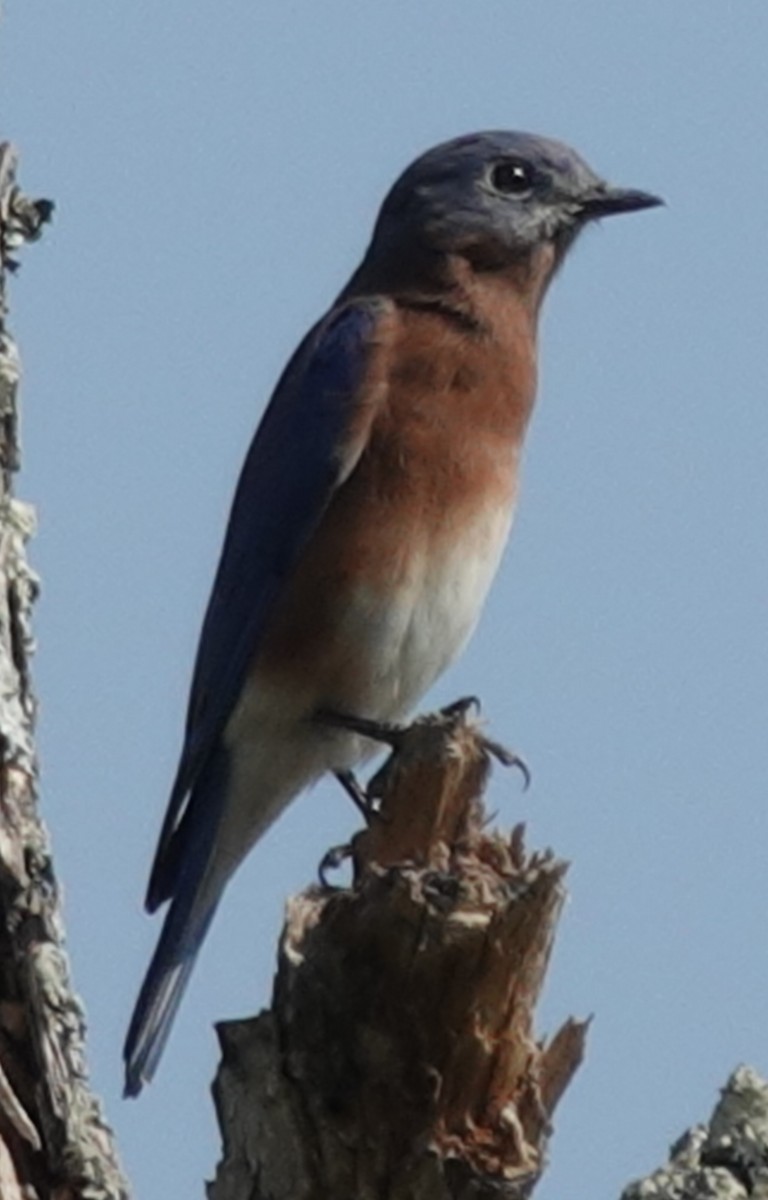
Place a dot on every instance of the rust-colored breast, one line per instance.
(446, 399)
(449, 427)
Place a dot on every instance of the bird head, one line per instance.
(497, 197)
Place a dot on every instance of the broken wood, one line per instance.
(399, 1057)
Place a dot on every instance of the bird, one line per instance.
(370, 515)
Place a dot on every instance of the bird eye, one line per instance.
(512, 177)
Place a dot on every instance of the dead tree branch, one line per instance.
(54, 1141)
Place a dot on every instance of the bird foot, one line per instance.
(391, 734)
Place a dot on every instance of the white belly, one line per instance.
(413, 640)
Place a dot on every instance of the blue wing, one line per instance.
(296, 460)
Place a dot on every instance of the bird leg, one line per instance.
(378, 731)
(357, 793)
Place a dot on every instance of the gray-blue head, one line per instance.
(497, 197)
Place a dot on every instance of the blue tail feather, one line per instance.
(164, 985)
(188, 875)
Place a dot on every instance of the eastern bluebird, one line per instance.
(370, 515)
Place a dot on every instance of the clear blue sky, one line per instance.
(217, 167)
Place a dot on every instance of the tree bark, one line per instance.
(54, 1141)
(399, 1057)
(726, 1159)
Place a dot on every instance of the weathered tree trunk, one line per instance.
(399, 1058)
(54, 1141)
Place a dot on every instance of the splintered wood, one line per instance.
(399, 1058)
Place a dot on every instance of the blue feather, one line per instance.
(297, 459)
(290, 473)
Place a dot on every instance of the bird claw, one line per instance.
(460, 708)
(332, 860)
(508, 758)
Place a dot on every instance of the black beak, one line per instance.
(605, 201)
